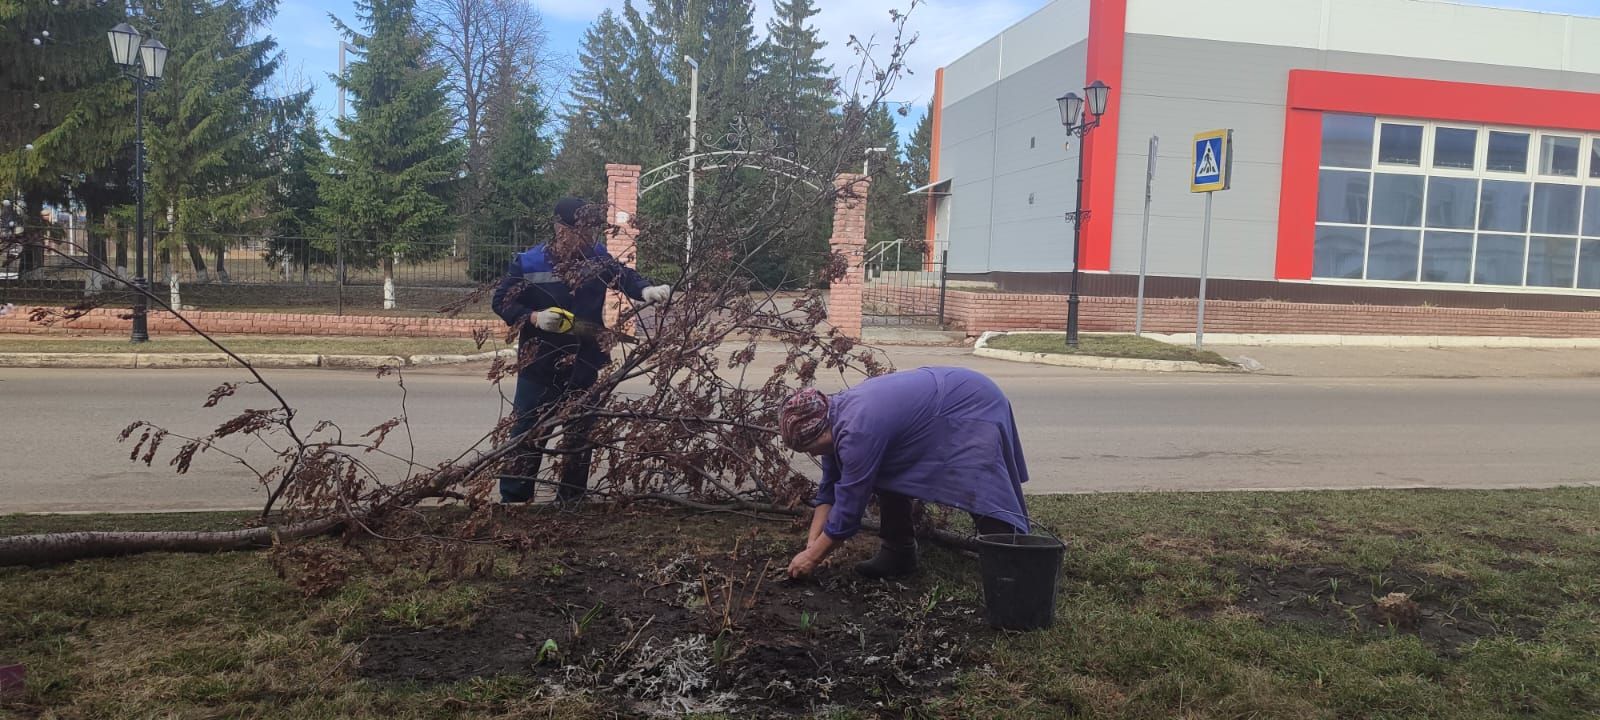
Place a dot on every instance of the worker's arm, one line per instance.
(819, 518)
(625, 279)
(858, 453)
(507, 299)
(858, 457)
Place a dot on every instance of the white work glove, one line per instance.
(656, 293)
(550, 321)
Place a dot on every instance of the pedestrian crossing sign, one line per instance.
(1213, 161)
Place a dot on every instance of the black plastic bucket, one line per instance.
(1020, 573)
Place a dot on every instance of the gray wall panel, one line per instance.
(971, 116)
(985, 149)
(1172, 87)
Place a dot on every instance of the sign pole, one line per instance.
(1205, 256)
(1212, 166)
(1144, 238)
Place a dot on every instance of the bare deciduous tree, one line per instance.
(491, 50)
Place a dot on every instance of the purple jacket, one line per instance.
(944, 435)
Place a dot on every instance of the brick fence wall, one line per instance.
(977, 312)
(971, 311)
(108, 321)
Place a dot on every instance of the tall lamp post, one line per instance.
(1078, 123)
(142, 61)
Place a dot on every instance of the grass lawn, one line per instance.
(1117, 346)
(403, 346)
(1226, 605)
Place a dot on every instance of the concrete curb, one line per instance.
(172, 361)
(1093, 362)
(1382, 341)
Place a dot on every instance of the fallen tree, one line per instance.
(684, 415)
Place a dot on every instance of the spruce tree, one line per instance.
(61, 94)
(919, 150)
(604, 96)
(389, 194)
(209, 125)
(297, 236)
(891, 213)
(795, 83)
(517, 193)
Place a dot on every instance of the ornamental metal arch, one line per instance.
(662, 174)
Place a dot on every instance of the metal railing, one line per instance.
(254, 270)
(905, 284)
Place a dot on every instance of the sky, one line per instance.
(946, 30)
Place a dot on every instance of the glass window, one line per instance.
(1508, 152)
(1342, 197)
(1339, 252)
(1594, 158)
(1589, 264)
(1591, 212)
(1558, 155)
(1401, 145)
(1397, 200)
(1499, 260)
(1452, 202)
(1551, 261)
(1392, 254)
(1505, 206)
(1455, 148)
(1555, 208)
(1347, 140)
(1447, 257)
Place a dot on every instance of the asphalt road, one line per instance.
(1083, 431)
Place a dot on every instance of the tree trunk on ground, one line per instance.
(64, 547)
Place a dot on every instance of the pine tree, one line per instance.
(604, 94)
(209, 127)
(919, 150)
(891, 213)
(796, 87)
(297, 235)
(517, 191)
(61, 94)
(393, 162)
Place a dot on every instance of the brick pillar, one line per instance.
(849, 239)
(622, 194)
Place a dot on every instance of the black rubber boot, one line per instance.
(892, 560)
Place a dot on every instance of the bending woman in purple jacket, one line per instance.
(942, 435)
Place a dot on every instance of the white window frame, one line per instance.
(1588, 144)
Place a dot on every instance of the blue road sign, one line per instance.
(1211, 161)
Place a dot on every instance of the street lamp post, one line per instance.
(142, 61)
(1078, 123)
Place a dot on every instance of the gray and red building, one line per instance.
(1386, 152)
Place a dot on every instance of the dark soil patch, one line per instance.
(1340, 600)
(700, 631)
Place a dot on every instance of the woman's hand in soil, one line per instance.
(804, 564)
(807, 561)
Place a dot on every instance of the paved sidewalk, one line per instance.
(1368, 362)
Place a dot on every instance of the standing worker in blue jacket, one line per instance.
(559, 316)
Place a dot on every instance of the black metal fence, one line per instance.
(54, 263)
(905, 284)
